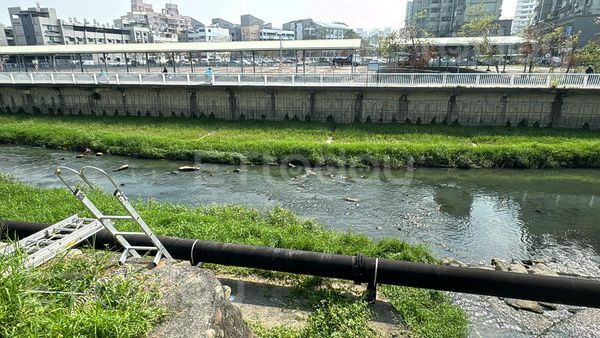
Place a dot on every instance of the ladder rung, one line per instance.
(116, 217)
(143, 248)
(121, 233)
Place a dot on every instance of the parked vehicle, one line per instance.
(353, 60)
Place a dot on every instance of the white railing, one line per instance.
(442, 80)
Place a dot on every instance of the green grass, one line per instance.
(390, 145)
(72, 298)
(425, 312)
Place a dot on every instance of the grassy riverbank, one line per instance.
(391, 145)
(73, 298)
(427, 313)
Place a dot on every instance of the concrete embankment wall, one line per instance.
(471, 107)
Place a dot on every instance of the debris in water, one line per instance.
(291, 165)
(121, 168)
(189, 168)
(99, 154)
(351, 200)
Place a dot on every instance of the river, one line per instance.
(470, 215)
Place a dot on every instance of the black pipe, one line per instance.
(561, 290)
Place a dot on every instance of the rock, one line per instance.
(527, 262)
(196, 303)
(351, 200)
(518, 268)
(309, 172)
(379, 227)
(99, 154)
(291, 165)
(226, 291)
(73, 253)
(273, 164)
(62, 159)
(526, 305)
(453, 262)
(121, 168)
(88, 151)
(189, 168)
(237, 171)
(500, 264)
(486, 268)
(549, 306)
(79, 156)
(543, 270)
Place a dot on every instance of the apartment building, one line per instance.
(308, 29)
(576, 16)
(445, 17)
(524, 15)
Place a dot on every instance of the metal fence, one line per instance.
(441, 80)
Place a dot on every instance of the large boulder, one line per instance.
(198, 305)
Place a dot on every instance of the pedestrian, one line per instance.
(589, 70)
(165, 71)
(209, 75)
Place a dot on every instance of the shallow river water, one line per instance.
(469, 215)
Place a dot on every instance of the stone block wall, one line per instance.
(471, 107)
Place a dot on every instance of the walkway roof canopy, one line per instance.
(466, 41)
(238, 46)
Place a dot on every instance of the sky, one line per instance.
(369, 15)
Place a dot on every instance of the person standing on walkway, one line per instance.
(589, 70)
(209, 75)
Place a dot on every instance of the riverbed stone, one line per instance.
(543, 270)
(453, 262)
(526, 305)
(189, 168)
(121, 168)
(517, 268)
(500, 264)
(196, 304)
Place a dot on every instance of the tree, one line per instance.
(411, 40)
(482, 25)
(590, 53)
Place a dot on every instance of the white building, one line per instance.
(267, 34)
(206, 34)
(523, 15)
(308, 29)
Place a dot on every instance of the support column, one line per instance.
(173, 60)
(304, 61)
(147, 63)
(253, 62)
(242, 62)
(126, 64)
(81, 62)
(104, 59)
(557, 110)
(191, 63)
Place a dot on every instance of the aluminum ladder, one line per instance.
(108, 221)
(54, 240)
